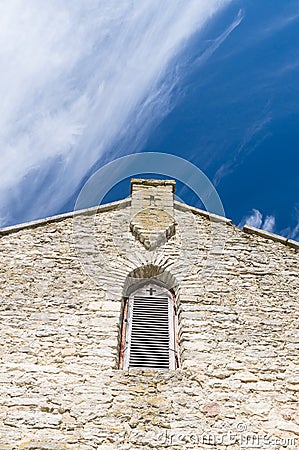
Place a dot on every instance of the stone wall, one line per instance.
(60, 320)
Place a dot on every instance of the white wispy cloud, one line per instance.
(256, 219)
(213, 45)
(265, 30)
(255, 134)
(292, 232)
(280, 23)
(269, 224)
(79, 77)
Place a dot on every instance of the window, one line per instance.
(149, 329)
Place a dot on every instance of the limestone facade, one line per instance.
(63, 281)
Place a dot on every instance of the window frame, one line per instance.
(127, 323)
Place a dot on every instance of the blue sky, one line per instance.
(212, 81)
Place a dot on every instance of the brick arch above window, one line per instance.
(147, 273)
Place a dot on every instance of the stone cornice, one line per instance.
(274, 237)
(211, 216)
(58, 218)
(149, 182)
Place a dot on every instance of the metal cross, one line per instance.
(151, 290)
(151, 198)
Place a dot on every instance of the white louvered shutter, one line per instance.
(150, 330)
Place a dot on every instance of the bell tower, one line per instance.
(152, 218)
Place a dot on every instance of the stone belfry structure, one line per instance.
(152, 212)
(115, 336)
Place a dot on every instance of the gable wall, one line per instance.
(60, 387)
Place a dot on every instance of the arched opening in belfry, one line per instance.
(149, 326)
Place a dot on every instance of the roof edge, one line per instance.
(293, 244)
(127, 201)
(274, 237)
(246, 229)
(81, 212)
(213, 217)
